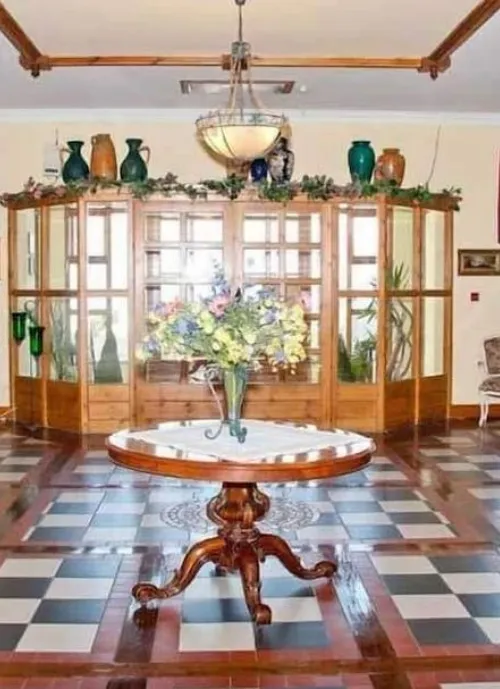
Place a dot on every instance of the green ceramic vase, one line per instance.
(361, 159)
(75, 168)
(134, 168)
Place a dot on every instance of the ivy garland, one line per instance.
(315, 188)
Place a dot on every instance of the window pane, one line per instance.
(314, 335)
(358, 239)
(205, 228)
(363, 276)
(400, 339)
(28, 227)
(356, 357)
(433, 336)
(433, 251)
(365, 234)
(119, 232)
(108, 340)
(161, 293)
(63, 346)
(308, 295)
(261, 228)
(107, 246)
(201, 264)
(163, 262)
(97, 276)
(63, 247)
(96, 245)
(303, 263)
(162, 227)
(303, 228)
(400, 264)
(261, 262)
(28, 365)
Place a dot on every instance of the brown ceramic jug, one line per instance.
(390, 166)
(103, 158)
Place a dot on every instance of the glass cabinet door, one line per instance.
(400, 249)
(107, 306)
(433, 251)
(63, 339)
(107, 242)
(62, 247)
(27, 249)
(358, 276)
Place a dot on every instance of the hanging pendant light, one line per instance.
(236, 133)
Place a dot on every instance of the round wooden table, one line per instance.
(238, 545)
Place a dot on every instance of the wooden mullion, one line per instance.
(448, 309)
(43, 305)
(83, 340)
(385, 257)
(418, 313)
(328, 322)
(12, 283)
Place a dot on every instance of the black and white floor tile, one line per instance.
(452, 597)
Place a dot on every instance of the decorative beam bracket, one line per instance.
(434, 68)
(35, 65)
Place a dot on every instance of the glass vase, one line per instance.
(36, 340)
(235, 384)
(18, 325)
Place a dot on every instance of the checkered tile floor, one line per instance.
(447, 597)
(418, 577)
(116, 516)
(479, 467)
(53, 604)
(16, 464)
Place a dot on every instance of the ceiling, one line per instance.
(340, 28)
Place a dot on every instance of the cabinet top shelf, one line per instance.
(60, 195)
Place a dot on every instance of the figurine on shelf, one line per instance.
(281, 162)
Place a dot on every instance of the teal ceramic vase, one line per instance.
(134, 168)
(74, 168)
(361, 159)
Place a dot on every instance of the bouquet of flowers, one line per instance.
(228, 329)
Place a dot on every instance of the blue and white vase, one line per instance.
(259, 169)
(281, 162)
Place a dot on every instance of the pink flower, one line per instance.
(218, 305)
(172, 307)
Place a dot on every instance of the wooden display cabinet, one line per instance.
(375, 276)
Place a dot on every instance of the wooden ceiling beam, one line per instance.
(29, 55)
(224, 61)
(440, 59)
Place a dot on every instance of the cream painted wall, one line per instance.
(467, 158)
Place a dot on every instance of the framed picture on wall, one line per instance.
(478, 262)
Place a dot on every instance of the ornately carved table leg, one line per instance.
(239, 546)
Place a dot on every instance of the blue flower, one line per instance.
(185, 326)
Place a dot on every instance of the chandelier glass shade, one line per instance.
(237, 133)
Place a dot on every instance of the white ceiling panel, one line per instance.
(326, 27)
